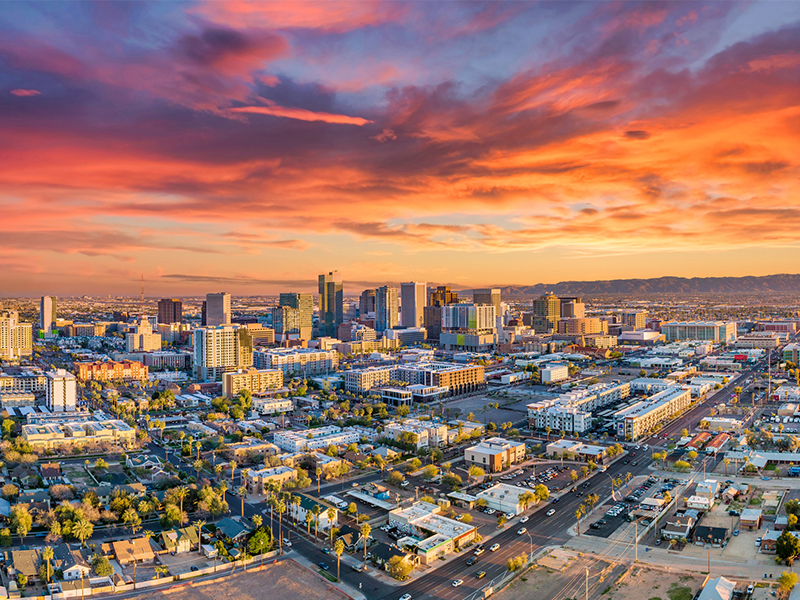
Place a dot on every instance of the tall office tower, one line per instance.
(286, 323)
(572, 308)
(47, 313)
(304, 304)
(170, 310)
(16, 339)
(413, 296)
(218, 309)
(221, 349)
(366, 303)
(443, 296)
(62, 388)
(546, 313)
(488, 296)
(387, 308)
(331, 300)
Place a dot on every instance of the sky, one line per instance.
(250, 146)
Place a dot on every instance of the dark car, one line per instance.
(472, 560)
(193, 568)
(323, 566)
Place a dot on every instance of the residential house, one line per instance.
(750, 518)
(307, 503)
(383, 553)
(718, 588)
(36, 501)
(709, 535)
(677, 527)
(25, 562)
(51, 473)
(73, 562)
(378, 492)
(134, 489)
(355, 457)
(234, 528)
(143, 461)
(351, 538)
(178, 541)
(707, 489)
(136, 550)
(103, 493)
(769, 541)
(384, 452)
(699, 503)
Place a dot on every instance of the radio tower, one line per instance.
(141, 301)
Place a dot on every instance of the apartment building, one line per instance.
(258, 381)
(27, 380)
(582, 326)
(111, 370)
(221, 349)
(458, 379)
(429, 433)
(322, 437)
(62, 391)
(359, 381)
(301, 361)
(495, 454)
(553, 373)
(258, 480)
(48, 436)
(270, 406)
(16, 338)
(766, 340)
(714, 331)
(645, 416)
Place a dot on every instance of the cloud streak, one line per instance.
(300, 114)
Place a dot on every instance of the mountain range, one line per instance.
(660, 285)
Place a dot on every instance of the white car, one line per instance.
(551, 512)
(522, 530)
(494, 548)
(524, 519)
(457, 582)
(510, 515)
(405, 597)
(286, 542)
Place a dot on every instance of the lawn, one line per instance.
(680, 592)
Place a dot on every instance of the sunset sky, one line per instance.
(248, 147)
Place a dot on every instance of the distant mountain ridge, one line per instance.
(660, 285)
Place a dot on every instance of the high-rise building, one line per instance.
(286, 322)
(47, 313)
(304, 304)
(387, 308)
(635, 318)
(468, 317)
(221, 349)
(218, 309)
(16, 339)
(488, 296)
(546, 311)
(572, 308)
(412, 302)
(443, 296)
(331, 300)
(366, 303)
(170, 310)
(62, 388)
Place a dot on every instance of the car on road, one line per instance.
(286, 542)
(494, 548)
(735, 532)
(326, 550)
(405, 597)
(479, 550)
(555, 500)
(323, 566)
(522, 530)
(355, 485)
(459, 517)
(758, 541)
(551, 512)
(193, 568)
(458, 582)
(524, 519)
(480, 574)
(510, 515)
(472, 560)
(626, 461)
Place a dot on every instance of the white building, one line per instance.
(322, 437)
(16, 339)
(715, 331)
(221, 349)
(429, 433)
(503, 498)
(218, 309)
(272, 405)
(643, 417)
(302, 361)
(62, 388)
(553, 373)
(144, 340)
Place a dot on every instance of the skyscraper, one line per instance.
(432, 314)
(218, 309)
(47, 313)
(546, 313)
(412, 302)
(386, 308)
(331, 299)
(16, 339)
(221, 349)
(286, 323)
(443, 296)
(170, 310)
(366, 304)
(304, 304)
(488, 296)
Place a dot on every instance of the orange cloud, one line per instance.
(301, 114)
(23, 93)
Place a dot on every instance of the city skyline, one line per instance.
(251, 146)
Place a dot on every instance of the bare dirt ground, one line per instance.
(542, 582)
(642, 583)
(279, 581)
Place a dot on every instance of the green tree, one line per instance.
(82, 530)
(501, 520)
(787, 547)
(260, 541)
(430, 472)
(21, 521)
(786, 581)
(399, 567)
(396, 478)
(475, 472)
(101, 566)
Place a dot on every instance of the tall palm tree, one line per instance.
(309, 520)
(242, 492)
(180, 494)
(199, 524)
(578, 515)
(316, 511)
(331, 514)
(281, 508)
(365, 531)
(318, 472)
(338, 548)
(82, 530)
(295, 501)
(233, 470)
(47, 556)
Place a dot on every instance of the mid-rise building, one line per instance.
(429, 433)
(572, 308)
(455, 378)
(258, 480)
(413, 297)
(331, 303)
(144, 340)
(766, 340)
(111, 371)
(643, 417)
(495, 454)
(356, 332)
(258, 381)
(554, 372)
(488, 297)
(303, 303)
(297, 361)
(582, 326)
(170, 310)
(322, 437)
(634, 318)
(572, 411)
(714, 331)
(359, 381)
(221, 349)
(387, 308)
(218, 309)
(545, 314)
(16, 338)
(28, 380)
(267, 405)
(62, 390)
(48, 436)
(47, 313)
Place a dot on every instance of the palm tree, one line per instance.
(727, 461)
(181, 435)
(199, 524)
(218, 470)
(233, 470)
(242, 493)
(578, 515)
(82, 530)
(547, 430)
(47, 555)
(316, 510)
(318, 472)
(198, 466)
(281, 508)
(180, 494)
(295, 501)
(365, 531)
(338, 548)
(309, 520)
(331, 514)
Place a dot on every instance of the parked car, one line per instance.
(405, 597)
(323, 566)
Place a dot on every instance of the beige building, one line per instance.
(259, 480)
(16, 339)
(582, 326)
(495, 454)
(258, 381)
(144, 340)
(49, 436)
(643, 417)
(362, 380)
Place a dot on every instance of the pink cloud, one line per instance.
(22, 93)
(301, 114)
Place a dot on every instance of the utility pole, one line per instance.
(636, 538)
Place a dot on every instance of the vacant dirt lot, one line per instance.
(279, 581)
(650, 584)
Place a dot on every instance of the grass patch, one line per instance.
(332, 579)
(605, 591)
(655, 598)
(680, 592)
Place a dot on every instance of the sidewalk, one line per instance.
(340, 585)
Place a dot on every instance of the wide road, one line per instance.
(543, 530)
